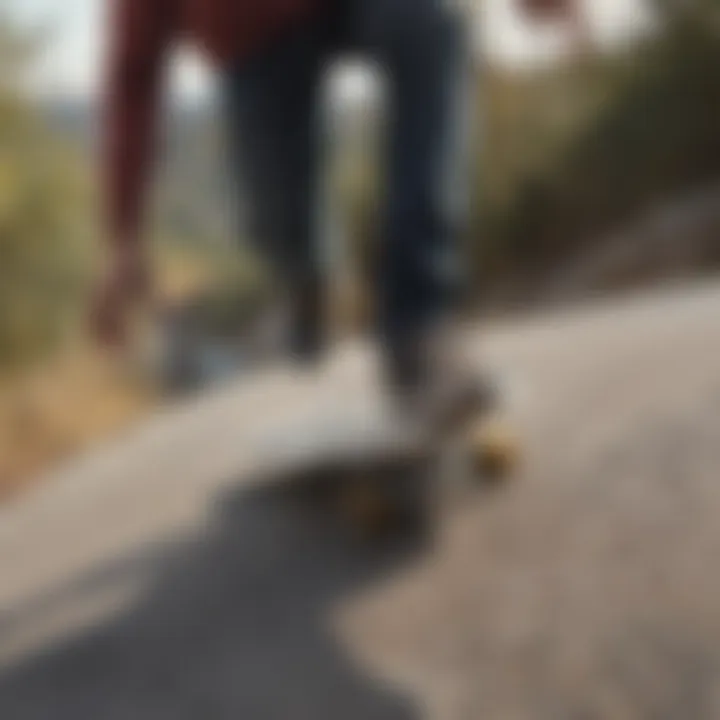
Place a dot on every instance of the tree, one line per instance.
(43, 230)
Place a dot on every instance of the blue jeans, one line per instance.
(273, 111)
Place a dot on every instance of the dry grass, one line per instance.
(54, 412)
(80, 397)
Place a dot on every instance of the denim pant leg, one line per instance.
(272, 106)
(423, 48)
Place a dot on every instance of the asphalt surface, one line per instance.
(151, 581)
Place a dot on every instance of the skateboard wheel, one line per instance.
(387, 505)
(494, 449)
(367, 509)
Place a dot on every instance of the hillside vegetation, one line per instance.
(44, 214)
(572, 155)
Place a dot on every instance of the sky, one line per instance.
(71, 62)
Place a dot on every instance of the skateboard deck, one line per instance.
(360, 461)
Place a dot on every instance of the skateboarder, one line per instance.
(271, 56)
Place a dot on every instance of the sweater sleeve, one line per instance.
(141, 32)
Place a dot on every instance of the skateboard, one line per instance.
(379, 476)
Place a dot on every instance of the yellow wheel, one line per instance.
(495, 449)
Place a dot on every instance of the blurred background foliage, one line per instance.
(44, 214)
(576, 152)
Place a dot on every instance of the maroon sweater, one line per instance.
(142, 31)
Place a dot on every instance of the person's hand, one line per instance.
(125, 284)
(548, 9)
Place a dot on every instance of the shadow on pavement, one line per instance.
(235, 623)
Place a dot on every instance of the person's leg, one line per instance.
(424, 48)
(272, 111)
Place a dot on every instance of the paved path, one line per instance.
(149, 582)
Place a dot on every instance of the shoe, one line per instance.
(293, 328)
(431, 380)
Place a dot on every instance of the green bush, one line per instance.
(43, 231)
(645, 130)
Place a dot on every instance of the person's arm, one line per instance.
(140, 33)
